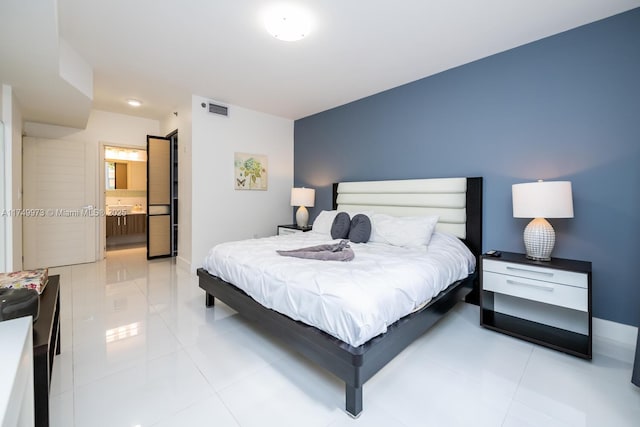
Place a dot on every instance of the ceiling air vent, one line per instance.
(218, 109)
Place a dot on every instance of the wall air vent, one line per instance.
(218, 109)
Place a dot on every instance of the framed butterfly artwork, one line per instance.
(251, 171)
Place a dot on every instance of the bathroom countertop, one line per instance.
(129, 213)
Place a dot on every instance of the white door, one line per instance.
(59, 215)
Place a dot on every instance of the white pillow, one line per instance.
(324, 220)
(353, 213)
(406, 231)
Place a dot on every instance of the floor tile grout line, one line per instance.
(193, 362)
(125, 367)
(213, 389)
(515, 391)
(146, 360)
(73, 355)
(254, 370)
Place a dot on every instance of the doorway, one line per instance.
(124, 178)
(162, 201)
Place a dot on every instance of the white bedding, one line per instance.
(353, 301)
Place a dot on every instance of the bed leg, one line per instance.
(353, 397)
(210, 301)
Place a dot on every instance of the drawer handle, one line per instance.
(532, 285)
(544, 273)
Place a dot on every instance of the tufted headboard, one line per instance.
(457, 202)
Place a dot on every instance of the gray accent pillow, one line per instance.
(360, 229)
(340, 226)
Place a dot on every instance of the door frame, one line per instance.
(102, 194)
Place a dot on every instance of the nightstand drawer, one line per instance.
(283, 230)
(536, 273)
(536, 290)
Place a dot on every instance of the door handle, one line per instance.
(526, 270)
(118, 221)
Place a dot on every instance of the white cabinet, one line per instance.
(545, 302)
(564, 289)
(16, 371)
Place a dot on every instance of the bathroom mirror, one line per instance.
(116, 175)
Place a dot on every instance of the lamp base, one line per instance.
(534, 258)
(302, 217)
(539, 239)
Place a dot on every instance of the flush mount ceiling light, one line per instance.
(134, 102)
(287, 22)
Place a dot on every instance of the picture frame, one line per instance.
(250, 171)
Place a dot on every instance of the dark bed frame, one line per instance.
(355, 365)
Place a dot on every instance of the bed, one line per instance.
(458, 204)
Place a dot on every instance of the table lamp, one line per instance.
(302, 197)
(540, 200)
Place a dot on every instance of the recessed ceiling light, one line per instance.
(287, 22)
(134, 102)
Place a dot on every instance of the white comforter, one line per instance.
(353, 301)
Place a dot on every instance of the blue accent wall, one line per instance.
(563, 108)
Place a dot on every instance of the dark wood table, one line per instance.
(46, 344)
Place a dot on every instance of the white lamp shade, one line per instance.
(303, 197)
(542, 199)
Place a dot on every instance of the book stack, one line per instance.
(29, 279)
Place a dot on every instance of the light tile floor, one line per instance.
(139, 349)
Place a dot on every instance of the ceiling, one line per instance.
(163, 51)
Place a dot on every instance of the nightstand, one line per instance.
(544, 302)
(291, 228)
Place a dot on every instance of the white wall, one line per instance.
(16, 195)
(210, 210)
(182, 122)
(117, 129)
(11, 116)
(3, 220)
(220, 213)
(102, 127)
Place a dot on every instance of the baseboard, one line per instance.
(614, 340)
(183, 263)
